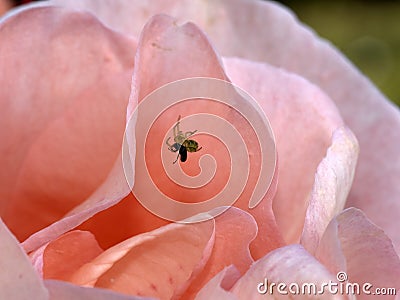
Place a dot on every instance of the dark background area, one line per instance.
(367, 32)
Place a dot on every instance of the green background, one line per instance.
(367, 32)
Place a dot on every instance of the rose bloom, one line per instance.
(71, 75)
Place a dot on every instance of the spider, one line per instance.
(182, 144)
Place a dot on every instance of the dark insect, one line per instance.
(182, 144)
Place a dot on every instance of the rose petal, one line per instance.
(121, 221)
(176, 45)
(153, 69)
(108, 194)
(215, 288)
(331, 186)
(290, 264)
(369, 253)
(271, 34)
(66, 121)
(188, 40)
(60, 290)
(318, 113)
(63, 256)
(18, 280)
(234, 223)
(303, 119)
(235, 229)
(329, 251)
(165, 44)
(158, 263)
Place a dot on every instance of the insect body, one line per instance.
(182, 144)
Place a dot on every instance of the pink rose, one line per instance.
(70, 83)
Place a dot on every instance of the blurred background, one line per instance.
(366, 31)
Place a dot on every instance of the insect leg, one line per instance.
(176, 159)
(189, 133)
(176, 127)
(168, 144)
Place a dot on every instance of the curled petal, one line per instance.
(108, 194)
(331, 186)
(18, 280)
(66, 254)
(369, 253)
(303, 119)
(179, 51)
(329, 250)
(217, 288)
(160, 263)
(234, 230)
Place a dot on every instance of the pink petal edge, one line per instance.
(108, 194)
(60, 258)
(303, 119)
(331, 186)
(152, 263)
(18, 279)
(369, 253)
(235, 229)
(214, 289)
